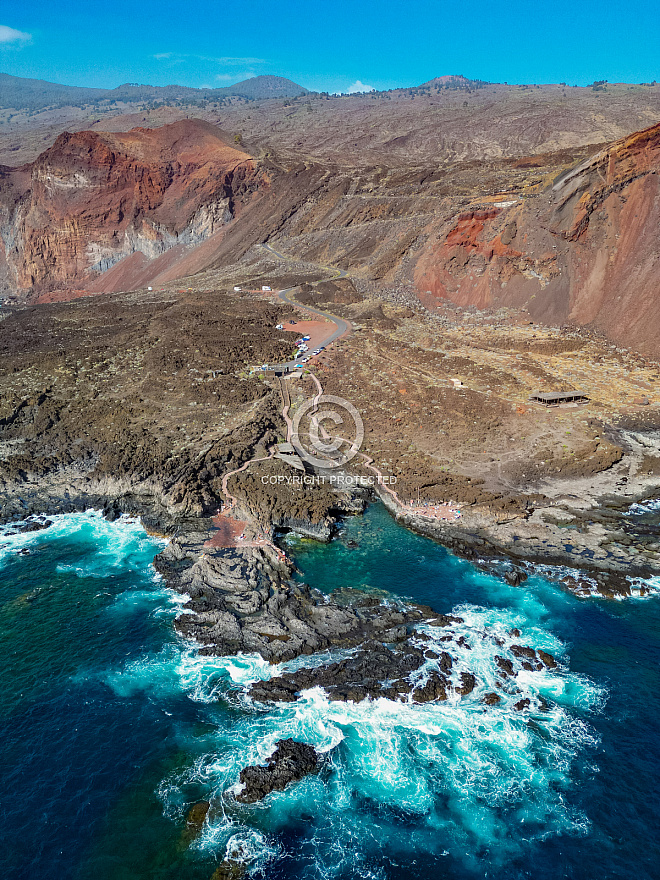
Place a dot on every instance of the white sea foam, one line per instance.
(163, 602)
(640, 508)
(117, 546)
(461, 775)
(587, 587)
(469, 774)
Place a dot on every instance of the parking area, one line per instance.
(318, 331)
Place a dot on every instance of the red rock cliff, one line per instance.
(586, 250)
(93, 199)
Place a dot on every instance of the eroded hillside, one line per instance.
(94, 200)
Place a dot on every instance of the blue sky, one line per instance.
(329, 46)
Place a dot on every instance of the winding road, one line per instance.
(341, 326)
(438, 511)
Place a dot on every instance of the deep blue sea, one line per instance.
(111, 728)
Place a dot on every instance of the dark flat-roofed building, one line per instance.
(557, 398)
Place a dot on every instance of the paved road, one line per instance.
(341, 326)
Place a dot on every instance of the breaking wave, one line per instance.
(448, 779)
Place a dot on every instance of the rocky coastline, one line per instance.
(590, 547)
(353, 645)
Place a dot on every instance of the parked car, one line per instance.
(306, 338)
(279, 326)
(304, 360)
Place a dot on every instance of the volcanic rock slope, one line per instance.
(92, 200)
(585, 251)
(570, 235)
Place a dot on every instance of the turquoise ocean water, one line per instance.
(112, 727)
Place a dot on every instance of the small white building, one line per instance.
(265, 288)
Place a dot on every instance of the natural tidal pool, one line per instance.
(112, 727)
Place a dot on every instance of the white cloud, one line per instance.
(225, 61)
(11, 35)
(359, 87)
(235, 76)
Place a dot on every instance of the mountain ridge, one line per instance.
(22, 93)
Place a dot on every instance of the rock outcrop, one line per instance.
(584, 251)
(290, 762)
(244, 601)
(241, 600)
(97, 200)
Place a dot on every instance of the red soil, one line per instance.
(228, 530)
(585, 251)
(125, 201)
(318, 330)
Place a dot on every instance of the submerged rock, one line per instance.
(32, 526)
(290, 762)
(195, 819)
(229, 869)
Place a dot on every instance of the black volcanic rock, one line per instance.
(32, 526)
(373, 671)
(547, 659)
(434, 689)
(468, 684)
(290, 762)
(242, 601)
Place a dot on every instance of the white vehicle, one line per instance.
(317, 351)
(265, 288)
(306, 338)
(279, 326)
(304, 360)
(237, 290)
